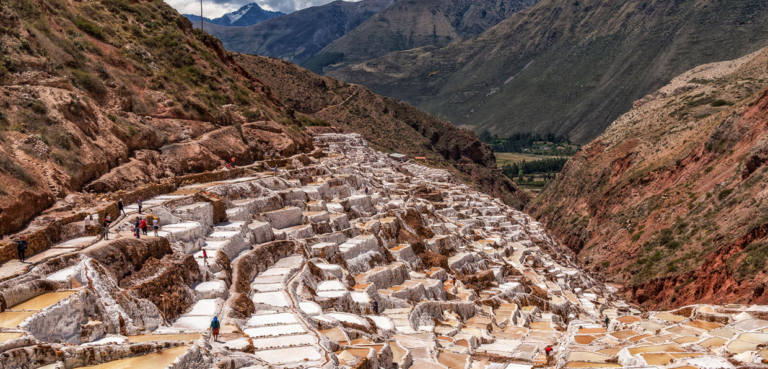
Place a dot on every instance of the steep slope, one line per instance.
(247, 15)
(113, 94)
(301, 34)
(387, 123)
(106, 96)
(671, 200)
(567, 67)
(409, 24)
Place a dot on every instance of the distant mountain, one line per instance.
(246, 16)
(566, 67)
(409, 24)
(301, 34)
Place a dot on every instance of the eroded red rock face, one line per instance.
(670, 200)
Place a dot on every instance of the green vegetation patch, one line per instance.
(306, 121)
(90, 28)
(88, 82)
(10, 167)
(531, 143)
(717, 103)
(754, 260)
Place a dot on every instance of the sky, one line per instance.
(216, 8)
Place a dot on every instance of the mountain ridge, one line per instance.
(301, 34)
(247, 15)
(565, 68)
(410, 24)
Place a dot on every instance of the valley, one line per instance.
(170, 200)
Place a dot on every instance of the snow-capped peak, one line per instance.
(234, 16)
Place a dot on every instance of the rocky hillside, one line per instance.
(111, 95)
(567, 67)
(301, 34)
(671, 200)
(247, 15)
(389, 124)
(409, 24)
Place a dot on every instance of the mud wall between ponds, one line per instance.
(248, 266)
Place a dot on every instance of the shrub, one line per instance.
(724, 193)
(10, 167)
(251, 115)
(132, 131)
(88, 82)
(717, 103)
(42, 138)
(756, 255)
(306, 121)
(38, 107)
(90, 28)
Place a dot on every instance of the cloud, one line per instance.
(217, 8)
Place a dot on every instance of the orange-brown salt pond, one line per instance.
(158, 360)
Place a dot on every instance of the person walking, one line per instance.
(143, 226)
(275, 170)
(156, 225)
(375, 307)
(548, 350)
(215, 325)
(120, 209)
(366, 190)
(107, 222)
(607, 322)
(233, 162)
(138, 202)
(205, 257)
(137, 230)
(21, 247)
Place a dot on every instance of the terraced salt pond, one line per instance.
(298, 262)
(159, 360)
(164, 337)
(16, 314)
(43, 301)
(11, 319)
(4, 337)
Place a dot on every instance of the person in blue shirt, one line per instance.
(215, 325)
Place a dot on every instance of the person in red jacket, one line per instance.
(143, 226)
(548, 350)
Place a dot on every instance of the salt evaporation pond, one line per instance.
(158, 360)
(164, 337)
(43, 301)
